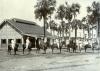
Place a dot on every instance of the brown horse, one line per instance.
(53, 46)
(15, 48)
(29, 47)
(42, 45)
(72, 45)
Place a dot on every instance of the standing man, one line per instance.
(13, 44)
(27, 42)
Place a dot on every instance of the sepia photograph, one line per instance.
(49, 35)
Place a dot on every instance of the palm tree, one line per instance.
(52, 26)
(59, 30)
(75, 8)
(43, 8)
(93, 12)
(68, 17)
(52, 9)
(86, 25)
(61, 15)
(67, 30)
(75, 25)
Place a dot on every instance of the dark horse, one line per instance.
(72, 45)
(94, 45)
(87, 46)
(54, 46)
(29, 47)
(42, 45)
(15, 49)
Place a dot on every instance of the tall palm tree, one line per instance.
(75, 25)
(67, 30)
(84, 25)
(52, 9)
(61, 15)
(52, 26)
(59, 30)
(68, 17)
(43, 8)
(75, 9)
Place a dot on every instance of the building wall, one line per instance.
(7, 32)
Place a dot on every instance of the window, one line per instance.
(18, 40)
(3, 41)
(9, 41)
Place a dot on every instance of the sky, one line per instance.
(24, 9)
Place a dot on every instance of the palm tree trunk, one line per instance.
(88, 33)
(62, 29)
(44, 27)
(75, 34)
(69, 33)
(84, 35)
(92, 33)
(75, 29)
(63, 33)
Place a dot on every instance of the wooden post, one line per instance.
(0, 43)
(7, 43)
(35, 41)
(22, 40)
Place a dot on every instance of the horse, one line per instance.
(29, 47)
(9, 49)
(58, 46)
(94, 45)
(54, 45)
(40, 44)
(15, 48)
(72, 45)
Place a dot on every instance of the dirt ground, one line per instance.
(50, 62)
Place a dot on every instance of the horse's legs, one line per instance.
(14, 52)
(60, 49)
(85, 49)
(93, 49)
(79, 48)
(29, 50)
(52, 50)
(38, 49)
(10, 52)
(23, 50)
(45, 50)
(73, 50)
(68, 49)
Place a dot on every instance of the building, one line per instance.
(19, 30)
(95, 33)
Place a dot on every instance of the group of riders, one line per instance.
(44, 45)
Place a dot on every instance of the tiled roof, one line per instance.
(27, 27)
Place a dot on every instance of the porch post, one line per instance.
(22, 40)
(7, 43)
(35, 41)
(0, 43)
